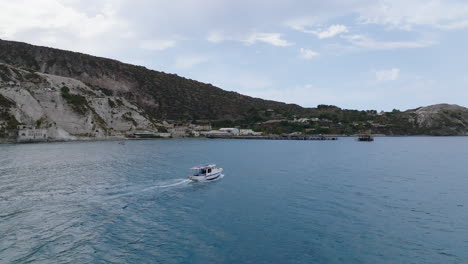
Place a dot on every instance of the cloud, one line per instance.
(301, 23)
(387, 75)
(407, 14)
(308, 54)
(54, 15)
(64, 25)
(157, 45)
(217, 37)
(331, 31)
(275, 39)
(187, 62)
(362, 41)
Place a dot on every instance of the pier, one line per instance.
(275, 137)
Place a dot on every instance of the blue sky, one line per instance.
(357, 54)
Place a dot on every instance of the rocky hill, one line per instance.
(440, 119)
(74, 95)
(161, 95)
(67, 108)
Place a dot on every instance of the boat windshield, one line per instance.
(198, 172)
(202, 171)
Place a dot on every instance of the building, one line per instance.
(202, 127)
(301, 120)
(164, 135)
(194, 133)
(215, 133)
(249, 132)
(230, 130)
(246, 132)
(179, 130)
(30, 134)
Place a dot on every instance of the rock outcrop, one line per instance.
(67, 108)
(441, 119)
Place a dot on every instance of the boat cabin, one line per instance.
(365, 138)
(203, 170)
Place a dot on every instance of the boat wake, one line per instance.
(179, 182)
(174, 183)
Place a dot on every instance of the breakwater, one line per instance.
(277, 137)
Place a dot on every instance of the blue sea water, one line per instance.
(396, 200)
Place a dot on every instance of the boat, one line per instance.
(365, 138)
(205, 173)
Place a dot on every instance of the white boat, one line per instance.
(206, 173)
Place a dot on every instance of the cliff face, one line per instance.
(66, 107)
(441, 119)
(161, 95)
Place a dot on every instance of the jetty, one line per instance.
(274, 137)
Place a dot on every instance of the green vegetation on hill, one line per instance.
(8, 120)
(78, 102)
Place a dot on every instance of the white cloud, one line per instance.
(157, 45)
(331, 31)
(54, 15)
(406, 14)
(387, 75)
(308, 54)
(65, 25)
(301, 23)
(304, 25)
(187, 62)
(362, 41)
(275, 39)
(217, 37)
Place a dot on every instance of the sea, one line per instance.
(394, 200)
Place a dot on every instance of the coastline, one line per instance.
(4, 141)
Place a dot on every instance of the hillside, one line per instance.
(75, 95)
(440, 119)
(161, 95)
(67, 108)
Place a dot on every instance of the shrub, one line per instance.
(78, 103)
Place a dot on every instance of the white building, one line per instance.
(164, 135)
(31, 134)
(178, 130)
(202, 127)
(246, 132)
(249, 132)
(214, 133)
(301, 120)
(230, 130)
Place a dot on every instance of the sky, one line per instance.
(355, 54)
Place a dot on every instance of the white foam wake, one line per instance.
(181, 181)
(178, 182)
(162, 186)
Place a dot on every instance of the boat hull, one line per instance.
(209, 177)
